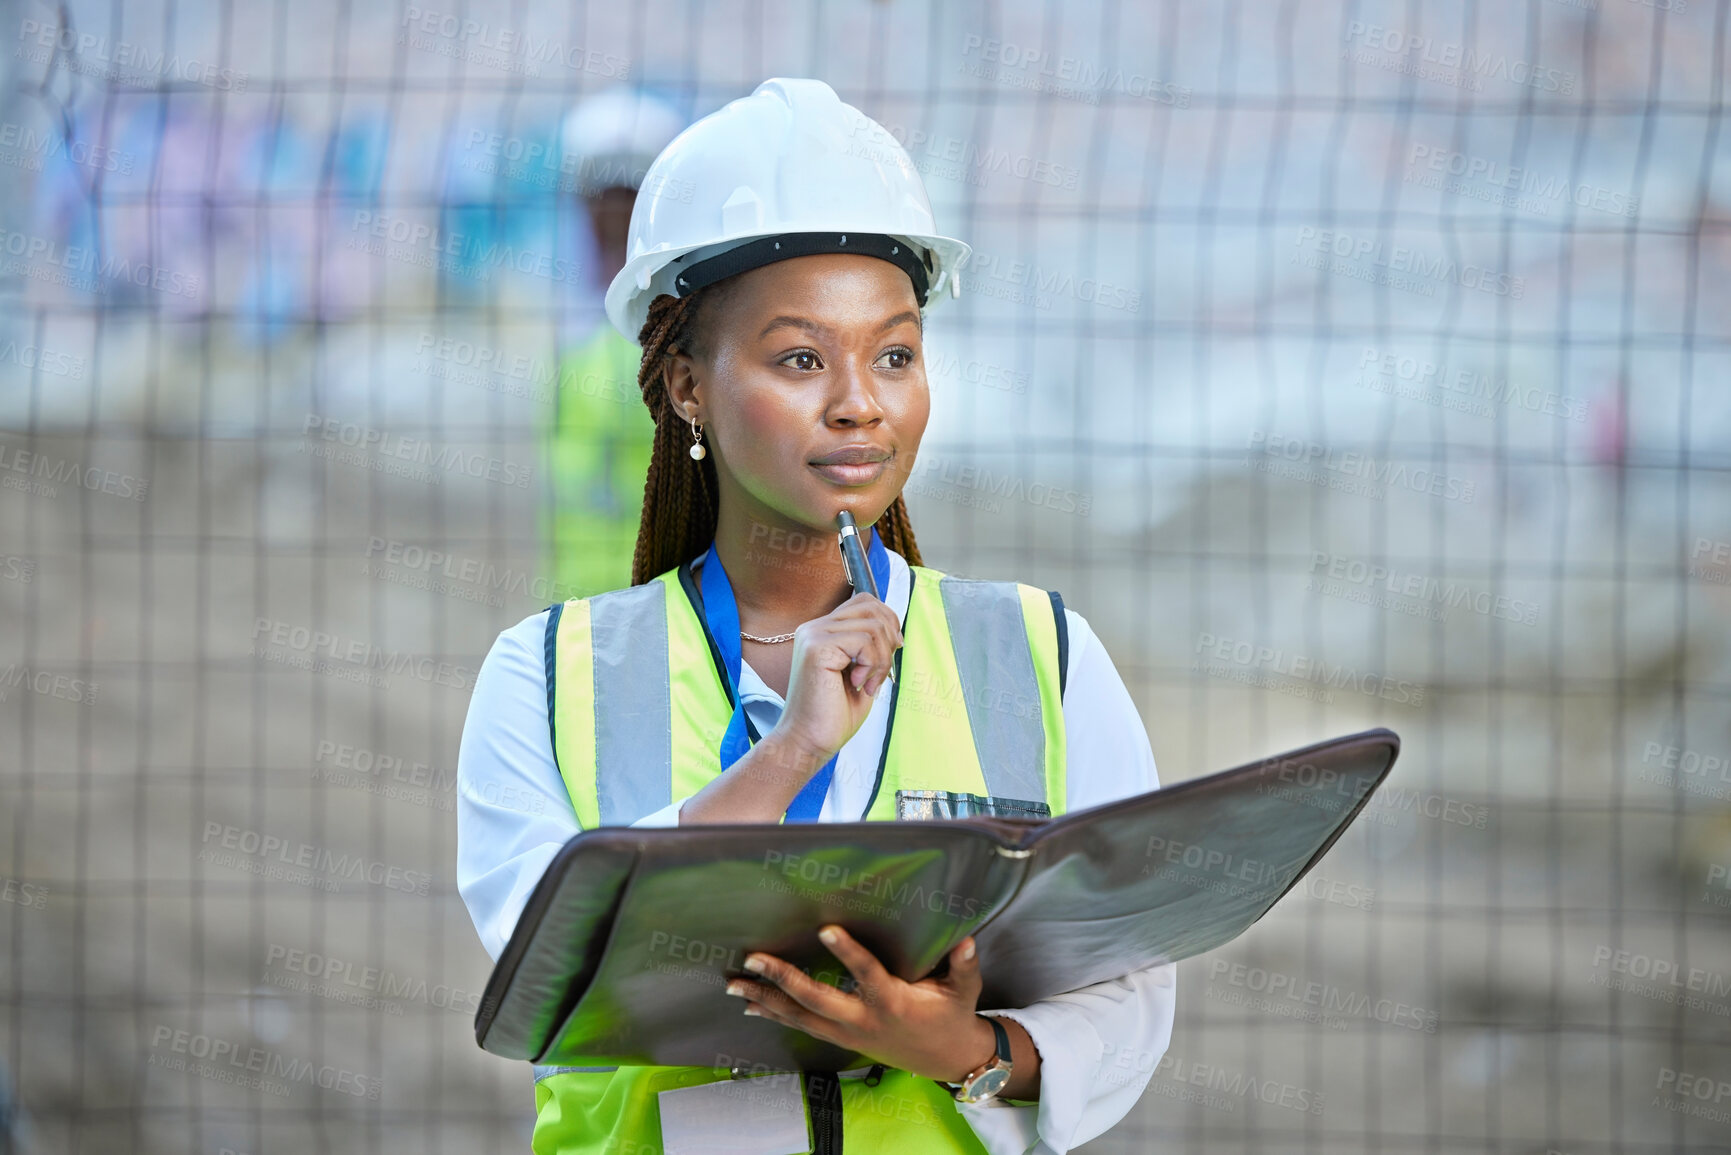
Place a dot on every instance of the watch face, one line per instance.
(990, 1083)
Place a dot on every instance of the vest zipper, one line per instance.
(895, 695)
(823, 1105)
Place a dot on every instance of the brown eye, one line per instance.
(806, 358)
(905, 354)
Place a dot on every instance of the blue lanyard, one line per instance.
(721, 614)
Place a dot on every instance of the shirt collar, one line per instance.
(753, 688)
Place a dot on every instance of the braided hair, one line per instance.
(681, 496)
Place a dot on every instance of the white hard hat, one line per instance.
(792, 168)
(617, 134)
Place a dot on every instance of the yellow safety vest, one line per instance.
(597, 462)
(638, 703)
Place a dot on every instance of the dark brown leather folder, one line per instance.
(624, 948)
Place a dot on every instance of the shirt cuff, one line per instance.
(667, 816)
(1058, 1033)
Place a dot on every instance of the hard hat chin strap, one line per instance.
(913, 261)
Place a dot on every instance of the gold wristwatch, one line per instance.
(989, 1079)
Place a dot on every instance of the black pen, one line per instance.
(859, 572)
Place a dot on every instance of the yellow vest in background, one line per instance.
(638, 706)
(597, 460)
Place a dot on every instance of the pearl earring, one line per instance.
(697, 450)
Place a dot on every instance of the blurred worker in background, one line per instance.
(599, 440)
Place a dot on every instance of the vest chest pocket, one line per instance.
(924, 805)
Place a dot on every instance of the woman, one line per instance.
(782, 258)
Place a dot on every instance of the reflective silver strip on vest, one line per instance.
(998, 683)
(549, 1072)
(633, 717)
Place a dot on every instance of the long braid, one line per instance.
(681, 496)
(673, 527)
(897, 531)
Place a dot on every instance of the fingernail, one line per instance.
(752, 1010)
(827, 936)
(737, 988)
(968, 950)
(754, 965)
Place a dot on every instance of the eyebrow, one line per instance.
(813, 327)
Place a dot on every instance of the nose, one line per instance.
(856, 401)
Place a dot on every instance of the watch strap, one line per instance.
(1000, 1059)
(1001, 1035)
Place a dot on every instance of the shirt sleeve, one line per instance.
(513, 812)
(1098, 1045)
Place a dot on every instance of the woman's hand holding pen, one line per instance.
(927, 1028)
(839, 661)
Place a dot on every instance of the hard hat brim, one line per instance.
(650, 275)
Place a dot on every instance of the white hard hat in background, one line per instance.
(791, 158)
(616, 134)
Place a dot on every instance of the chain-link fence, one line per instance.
(1343, 365)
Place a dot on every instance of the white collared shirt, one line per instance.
(1098, 1045)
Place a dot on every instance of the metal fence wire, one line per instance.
(1342, 364)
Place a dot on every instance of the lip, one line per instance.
(845, 474)
(854, 465)
(859, 453)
